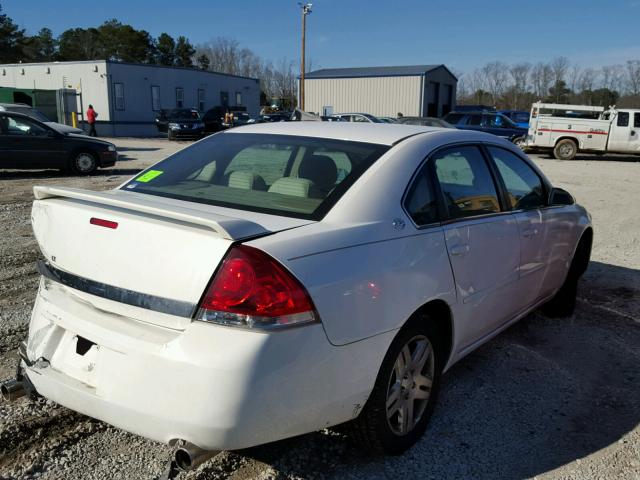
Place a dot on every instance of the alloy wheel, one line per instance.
(410, 385)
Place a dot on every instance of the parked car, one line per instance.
(27, 143)
(184, 123)
(162, 120)
(357, 117)
(520, 118)
(425, 122)
(388, 119)
(494, 123)
(275, 117)
(38, 115)
(214, 118)
(475, 108)
(260, 296)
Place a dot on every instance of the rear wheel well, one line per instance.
(573, 139)
(438, 314)
(583, 251)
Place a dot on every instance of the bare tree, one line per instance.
(495, 74)
(559, 67)
(541, 79)
(612, 77)
(520, 76)
(633, 77)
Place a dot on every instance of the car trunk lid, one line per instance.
(151, 253)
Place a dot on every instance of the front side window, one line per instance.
(285, 175)
(623, 119)
(21, 127)
(179, 97)
(118, 93)
(524, 186)
(636, 120)
(421, 202)
(465, 182)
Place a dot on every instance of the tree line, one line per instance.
(517, 86)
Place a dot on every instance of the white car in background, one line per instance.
(278, 279)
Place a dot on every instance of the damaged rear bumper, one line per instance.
(217, 387)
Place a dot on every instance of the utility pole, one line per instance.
(306, 10)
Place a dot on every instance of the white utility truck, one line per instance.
(565, 130)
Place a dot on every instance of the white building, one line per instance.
(414, 90)
(128, 96)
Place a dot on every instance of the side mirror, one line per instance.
(558, 196)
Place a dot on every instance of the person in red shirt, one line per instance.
(91, 119)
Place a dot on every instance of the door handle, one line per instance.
(529, 232)
(459, 249)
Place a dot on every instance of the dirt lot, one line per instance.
(552, 399)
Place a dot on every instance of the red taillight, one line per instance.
(252, 289)
(103, 223)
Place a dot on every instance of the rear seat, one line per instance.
(246, 181)
(296, 187)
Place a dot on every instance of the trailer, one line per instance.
(565, 130)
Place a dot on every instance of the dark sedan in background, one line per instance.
(489, 122)
(26, 143)
(184, 123)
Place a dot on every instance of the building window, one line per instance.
(224, 99)
(155, 98)
(201, 99)
(238, 98)
(179, 97)
(118, 93)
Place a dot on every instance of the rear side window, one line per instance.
(285, 175)
(465, 182)
(454, 118)
(524, 186)
(636, 120)
(421, 202)
(623, 119)
(474, 120)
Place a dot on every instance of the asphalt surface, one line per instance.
(548, 398)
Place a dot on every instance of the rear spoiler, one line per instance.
(226, 227)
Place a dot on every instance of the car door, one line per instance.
(34, 145)
(481, 239)
(527, 195)
(625, 133)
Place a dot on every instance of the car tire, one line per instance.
(563, 303)
(388, 428)
(84, 163)
(519, 142)
(170, 136)
(565, 149)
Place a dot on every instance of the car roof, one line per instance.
(380, 133)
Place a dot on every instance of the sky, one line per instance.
(462, 34)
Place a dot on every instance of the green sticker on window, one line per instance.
(148, 176)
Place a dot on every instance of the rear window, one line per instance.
(454, 118)
(285, 175)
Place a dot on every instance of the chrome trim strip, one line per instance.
(142, 300)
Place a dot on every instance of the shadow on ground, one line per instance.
(544, 393)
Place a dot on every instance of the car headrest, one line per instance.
(295, 187)
(320, 169)
(246, 181)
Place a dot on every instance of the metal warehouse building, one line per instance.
(126, 96)
(415, 90)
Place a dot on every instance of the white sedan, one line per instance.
(277, 279)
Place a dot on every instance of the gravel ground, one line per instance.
(552, 399)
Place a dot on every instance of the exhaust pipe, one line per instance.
(188, 456)
(12, 390)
